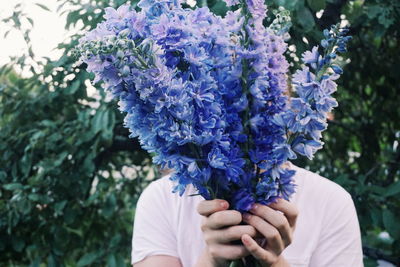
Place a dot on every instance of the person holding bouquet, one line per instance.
(318, 227)
(206, 95)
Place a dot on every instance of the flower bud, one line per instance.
(124, 33)
(120, 54)
(125, 71)
(337, 69)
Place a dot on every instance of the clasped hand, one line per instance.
(267, 232)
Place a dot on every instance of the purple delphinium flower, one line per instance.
(206, 94)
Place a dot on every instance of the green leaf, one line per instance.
(373, 11)
(316, 5)
(73, 87)
(60, 159)
(219, 8)
(63, 59)
(18, 243)
(120, 261)
(111, 261)
(43, 6)
(305, 19)
(59, 206)
(289, 4)
(6, 34)
(30, 21)
(391, 223)
(75, 231)
(115, 241)
(34, 197)
(26, 163)
(110, 206)
(13, 186)
(3, 176)
(51, 261)
(72, 19)
(393, 189)
(87, 259)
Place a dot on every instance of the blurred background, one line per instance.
(70, 177)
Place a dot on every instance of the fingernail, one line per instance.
(254, 207)
(224, 204)
(245, 240)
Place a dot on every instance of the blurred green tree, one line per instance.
(70, 177)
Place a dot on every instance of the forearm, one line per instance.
(206, 260)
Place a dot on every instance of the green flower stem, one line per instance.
(245, 83)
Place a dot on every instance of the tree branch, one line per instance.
(376, 254)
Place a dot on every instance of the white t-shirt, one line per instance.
(327, 230)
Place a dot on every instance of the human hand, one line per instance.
(220, 227)
(276, 223)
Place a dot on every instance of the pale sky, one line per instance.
(47, 33)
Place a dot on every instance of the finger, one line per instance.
(232, 252)
(276, 219)
(208, 207)
(289, 210)
(274, 239)
(223, 218)
(232, 233)
(258, 252)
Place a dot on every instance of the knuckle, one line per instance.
(237, 217)
(240, 253)
(200, 208)
(229, 233)
(295, 211)
(250, 219)
(270, 258)
(243, 252)
(217, 217)
(289, 239)
(204, 226)
(208, 238)
(274, 235)
(252, 248)
(213, 251)
(265, 258)
(223, 236)
(250, 230)
(283, 223)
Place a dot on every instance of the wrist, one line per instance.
(206, 260)
(281, 262)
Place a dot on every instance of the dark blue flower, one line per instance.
(217, 159)
(242, 200)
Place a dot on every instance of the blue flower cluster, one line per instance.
(206, 94)
(315, 83)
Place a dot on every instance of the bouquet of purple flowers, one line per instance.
(206, 95)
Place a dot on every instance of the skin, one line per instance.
(268, 231)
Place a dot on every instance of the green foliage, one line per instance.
(66, 198)
(362, 142)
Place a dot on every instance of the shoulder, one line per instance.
(322, 202)
(162, 189)
(327, 230)
(312, 187)
(157, 189)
